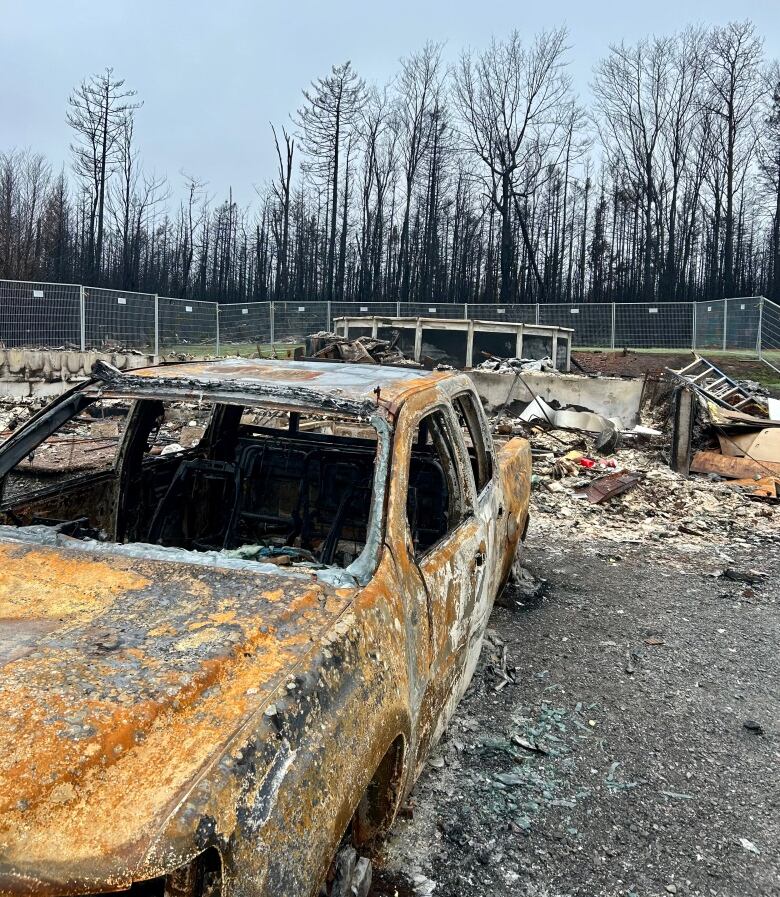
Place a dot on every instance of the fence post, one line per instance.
(612, 334)
(758, 332)
(216, 329)
(695, 309)
(271, 323)
(725, 321)
(327, 312)
(156, 324)
(82, 320)
(398, 309)
(465, 311)
(536, 319)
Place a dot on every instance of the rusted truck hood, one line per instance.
(122, 682)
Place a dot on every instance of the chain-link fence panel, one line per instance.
(710, 317)
(40, 314)
(363, 309)
(769, 334)
(245, 327)
(296, 320)
(654, 325)
(511, 313)
(592, 323)
(433, 310)
(118, 319)
(187, 326)
(51, 315)
(742, 317)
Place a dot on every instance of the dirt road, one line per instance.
(635, 749)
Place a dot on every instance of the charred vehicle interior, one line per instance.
(250, 480)
(289, 488)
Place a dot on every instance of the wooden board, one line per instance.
(736, 444)
(761, 446)
(733, 468)
(766, 487)
(766, 446)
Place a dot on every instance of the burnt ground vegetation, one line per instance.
(638, 363)
(620, 737)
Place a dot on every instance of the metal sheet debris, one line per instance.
(609, 486)
(567, 419)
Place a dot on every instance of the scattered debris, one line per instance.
(751, 577)
(659, 504)
(326, 346)
(523, 589)
(608, 486)
(714, 434)
(510, 365)
(752, 726)
(423, 886)
(760, 487)
(608, 440)
(567, 419)
(749, 846)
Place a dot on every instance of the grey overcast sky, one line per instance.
(213, 74)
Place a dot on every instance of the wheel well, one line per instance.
(380, 800)
(200, 878)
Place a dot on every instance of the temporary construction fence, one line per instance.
(51, 315)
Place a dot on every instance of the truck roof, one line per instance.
(352, 387)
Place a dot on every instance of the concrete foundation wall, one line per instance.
(609, 396)
(49, 372)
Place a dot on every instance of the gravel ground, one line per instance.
(617, 761)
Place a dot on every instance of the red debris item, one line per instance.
(586, 462)
(612, 484)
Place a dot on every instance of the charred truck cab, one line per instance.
(239, 601)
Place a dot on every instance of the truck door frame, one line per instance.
(448, 576)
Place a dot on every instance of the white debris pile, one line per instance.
(15, 412)
(502, 365)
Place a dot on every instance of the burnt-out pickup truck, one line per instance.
(239, 601)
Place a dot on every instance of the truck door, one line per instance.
(488, 510)
(448, 543)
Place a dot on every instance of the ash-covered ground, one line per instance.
(622, 733)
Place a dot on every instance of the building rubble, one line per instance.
(511, 365)
(725, 428)
(658, 503)
(327, 346)
(14, 412)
